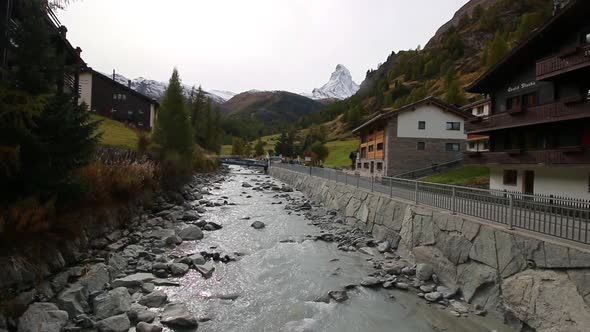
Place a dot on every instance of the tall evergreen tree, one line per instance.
(173, 130)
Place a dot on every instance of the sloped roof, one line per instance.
(123, 86)
(389, 112)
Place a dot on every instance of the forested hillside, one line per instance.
(478, 36)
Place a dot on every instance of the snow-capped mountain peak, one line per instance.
(340, 86)
(155, 89)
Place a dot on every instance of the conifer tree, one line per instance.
(173, 132)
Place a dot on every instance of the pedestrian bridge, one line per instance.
(236, 160)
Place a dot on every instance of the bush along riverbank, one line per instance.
(95, 281)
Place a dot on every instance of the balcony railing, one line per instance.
(565, 62)
(558, 111)
(563, 156)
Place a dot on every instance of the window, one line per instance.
(380, 147)
(379, 166)
(123, 97)
(115, 96)
(453, 125)
(421, 146)
(529, 100)
(454, 147)
(586, 38)
(363, 152)
(472, 145)
(513, 103)
(421, 125)
(480, 110)
(371, 148)
(366, 166)
(359, 165)
(510, 177)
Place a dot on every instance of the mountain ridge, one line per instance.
(340, 86)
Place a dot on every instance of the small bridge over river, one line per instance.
(236, 160)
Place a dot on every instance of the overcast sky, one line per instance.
(238, 45)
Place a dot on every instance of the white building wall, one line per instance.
(486, 110)
(559, 181)
(436, 123)
(85, 89)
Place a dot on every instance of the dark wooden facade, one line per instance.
(540, 95)
(70, 61)
(119, 102)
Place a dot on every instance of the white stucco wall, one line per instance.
(152, 116)
(559, 181)
(85, 89)
(486, 110)
(436, 123)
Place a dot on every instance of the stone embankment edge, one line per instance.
(529, 280)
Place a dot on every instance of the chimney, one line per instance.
(114, 75)
(558, 5)
(129, 84)
(63, 31)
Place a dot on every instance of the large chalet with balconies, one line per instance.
(419, 135)
(539, 124)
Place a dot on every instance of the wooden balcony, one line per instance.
(556, 157)
(570, 60)
(558, 111)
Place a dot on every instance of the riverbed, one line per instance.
(281, 272)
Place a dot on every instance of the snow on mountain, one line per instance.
(340, 86)
(155, 89)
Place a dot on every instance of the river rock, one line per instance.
(115, 302)
(145, 327)
(367, 251)
(74, 300)
(402, 285)
(433, 297)
(258, 225)
(339, 295)
(96, 278)
(42, 317)
(133, 281)
(197, 259)
(140, 313)
(191, 233)
(446, 292)
(190, 216)
(154, 300)
(424, 272)
(176, 315)
(211, 226)
(287, 189)
(119, 323)
(394, 268)
(371, 282)
(206, 270)
(427, 288)
(384, 246)
(178, 269)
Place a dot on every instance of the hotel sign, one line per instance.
(522, 86)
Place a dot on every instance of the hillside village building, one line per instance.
(478, 143)
(109, 98)
(539, 125)
(426, 133)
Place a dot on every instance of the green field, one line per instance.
(339, 152)
(115, 133)
(473, 176)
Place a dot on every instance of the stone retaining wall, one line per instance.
(531, 281)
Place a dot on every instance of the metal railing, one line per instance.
(565, 218)
(434, 169)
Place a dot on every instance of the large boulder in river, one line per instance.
(74, 300)
(45, 317)
(177, 316)
(145, 327)
(119, 323)
(133, 281)
(115, 302)
(191, 233)
(154, 300)
(96, 278)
